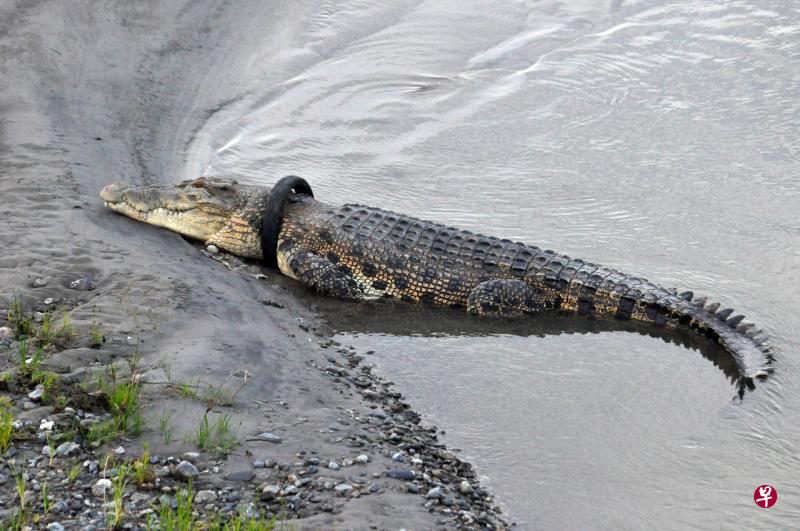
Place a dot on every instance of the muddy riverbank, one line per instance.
(92, 95)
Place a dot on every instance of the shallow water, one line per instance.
(659, 138)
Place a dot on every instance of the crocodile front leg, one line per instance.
(509, 297)
(317, 273)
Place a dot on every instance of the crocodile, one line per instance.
(360, 252)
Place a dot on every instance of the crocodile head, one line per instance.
(207, 209)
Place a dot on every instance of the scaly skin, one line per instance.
(360, 252)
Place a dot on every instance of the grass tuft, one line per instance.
(6, 430)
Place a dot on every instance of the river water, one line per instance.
(659, 138)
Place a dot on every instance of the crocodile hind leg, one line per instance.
(318, 273)
(508, 297)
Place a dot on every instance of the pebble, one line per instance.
(38, 317)
(399, 473)
(363, 458)
(67, 448)
(269, 437)
(186, 470)
(37, 393)
(270, 492)
(131, 341)
(119, 450)
(137, 497)
(5, 332)
(99, 489)
(259, 463)
(83, 284)
(241, 475)
(465, 487)
(213, 249)
(343, 490)
(399, 457)
(205, 496)
(333, 465)
(39, 283)
(251, 511)
(60, 507)
(436, 493)
(48, 301)
(55, 526)
(347, 462)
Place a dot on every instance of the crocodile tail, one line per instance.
(746, 344)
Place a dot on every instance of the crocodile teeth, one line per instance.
(700, 301)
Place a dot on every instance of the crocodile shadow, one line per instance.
(389, 317)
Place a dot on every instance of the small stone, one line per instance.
(99, 489)
(259, 463)
(138, 497)
(205, 496)
(436, 493)
(374, 487)
(269, 437)
(131, 341)
(347, 462)
(60, 507)
(119, 450)
(83, 284)
(67, 448)
(363, 459)
(270, 492)
(251, 511)
(399, 457)
(39, 283)
(241, 475)
(213, 249)
(46, 425)
(37, 393)
(333, 465)
(400, 473)
(38, 317)
(55, 526)
(186, 470)
(416, 461)
(343, 489)
(5, 332)
(48, 301)
(191, 456)
(464, 487)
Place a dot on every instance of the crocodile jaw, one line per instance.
(188, 208)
